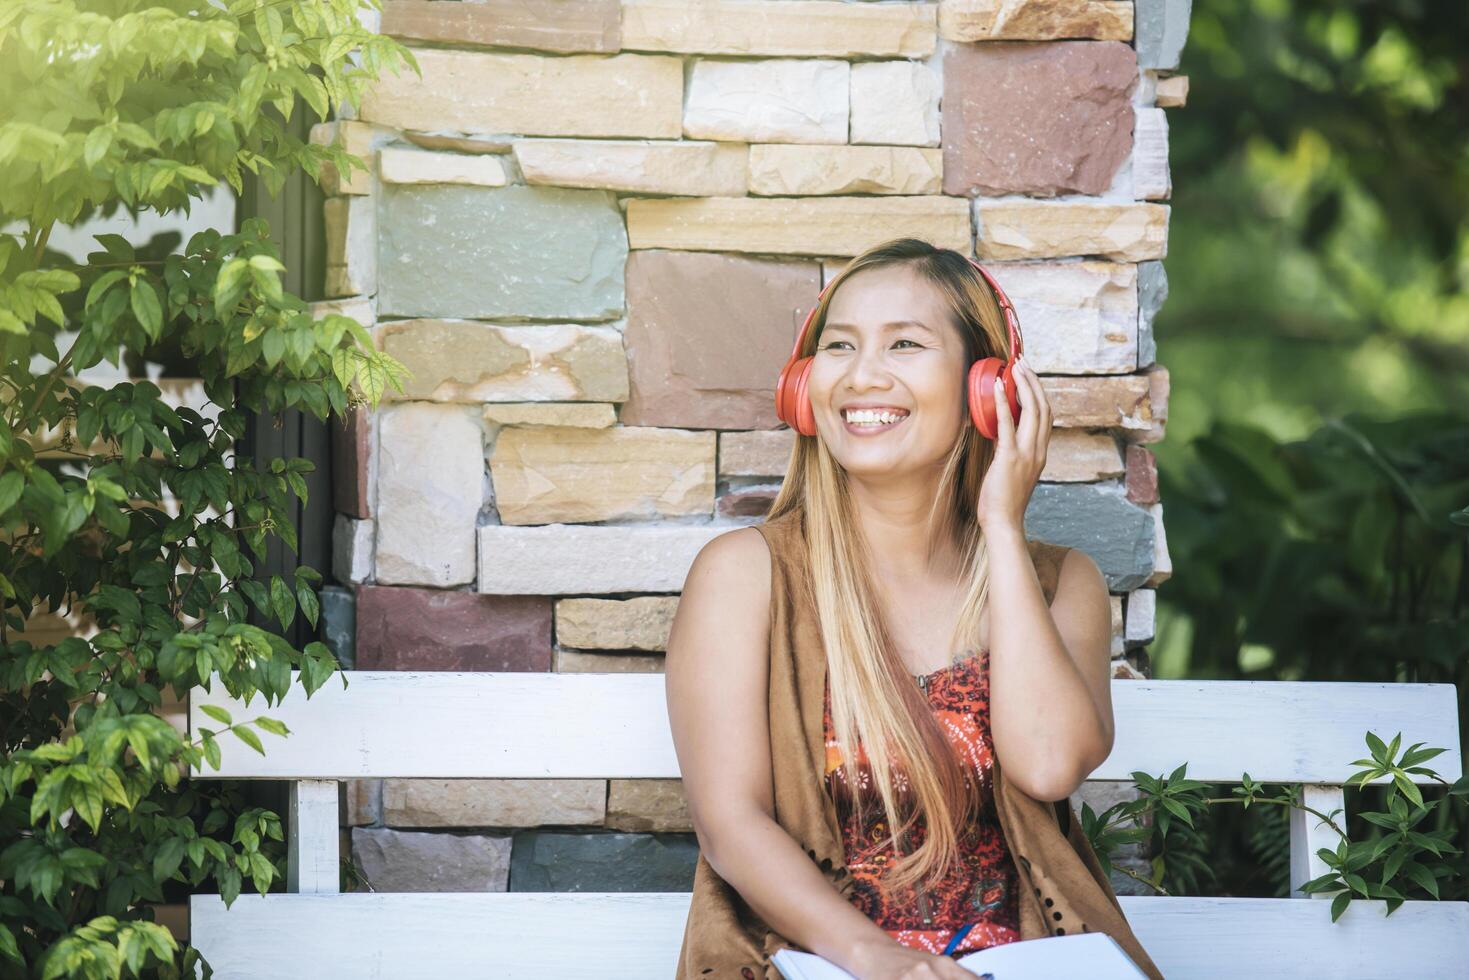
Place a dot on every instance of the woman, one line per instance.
(858, 614)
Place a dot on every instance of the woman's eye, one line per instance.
(836, 343)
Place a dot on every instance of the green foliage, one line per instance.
(136, 514)
(1390, 865)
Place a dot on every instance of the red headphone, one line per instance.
(793, 406)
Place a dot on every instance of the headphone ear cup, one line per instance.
(792, 406)
(982, 410)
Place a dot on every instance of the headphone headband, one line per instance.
(1007, 308)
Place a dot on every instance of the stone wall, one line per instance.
(592, 229)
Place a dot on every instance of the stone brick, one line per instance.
(1123, 670)
(1172, 92)
(1118, 646)
(550, 862)
(1098, 519)
(494, 802)
(453, 143)
(587, 415)
(352, 550)
(795, 169)
(580, 559)
(405, 861)
(1150, 177)
(1078, 317)
(588, 95)
(351, 462)
(1116, 401)
(364, 802)
(1142, 475)
(648, 805)
(1081, 456)
(815, 226)
(544, 476)
(1052, 229)
(746, 501)
(761, 453)
(469, 361)
(339, 624)
(1162, 560)
(698, 168)
(816, 28)
(430, 485)
(579, 662)
(350, 232)
(354, 137)
(397, 165)
(1034, 20)
(639, 623)
(895, 102)
(454, 251)
(1039, 119)
(1152, 291)
(707, 334)
(440, 629)
(587, 25)
(780, 100)
(1142, 612)
(1161, 30)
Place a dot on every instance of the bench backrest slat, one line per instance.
(449, 725)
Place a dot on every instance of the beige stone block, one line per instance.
(354, 137)
(364, 804)
(430, 487)
(360, 308)
(586, 415)
(575, 475)
(648, 805)
(1162, 560)
(471, 361)
(780, 100)
(895, 102)
(1081, 456)
(577, 662)
(397, 165)
(1172, 92)
(695, 168)
(639, 623)
(1102, 402)
(1122, 670)
(1151, 180)
(765, 452)
(586, 25)
(504, 92)
(804, 169)
(493, 802)
(1078, 317)
(1035, 20)
(585, 559)
(822, 226)
(1142, 614)
(816, 28)
(478, 143)
(352, 549)
(350, 228)
(1051, 229)
(1118, 643)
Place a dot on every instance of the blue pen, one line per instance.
(958, 938)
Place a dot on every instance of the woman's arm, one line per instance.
(1050, 669)
(717, 677)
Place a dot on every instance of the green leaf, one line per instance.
(281, 601)
(217, 713)
(250, 739)
(146, 308)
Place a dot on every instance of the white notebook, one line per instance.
(1094, 955)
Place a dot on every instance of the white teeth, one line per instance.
(868, 416)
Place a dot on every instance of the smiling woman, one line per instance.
(800, 657)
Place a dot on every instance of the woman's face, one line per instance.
(889, 344)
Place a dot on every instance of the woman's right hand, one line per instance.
(891, 961)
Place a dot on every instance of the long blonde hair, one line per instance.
(874, 701)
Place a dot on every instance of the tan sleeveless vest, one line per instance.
(1062, 885)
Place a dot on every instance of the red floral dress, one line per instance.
(984, 889)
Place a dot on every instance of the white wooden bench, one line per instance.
(581, 725)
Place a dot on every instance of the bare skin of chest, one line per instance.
(921, 617)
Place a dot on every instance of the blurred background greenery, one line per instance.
(1315, 475)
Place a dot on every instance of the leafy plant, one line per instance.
(115, 505)
(1397, 859)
